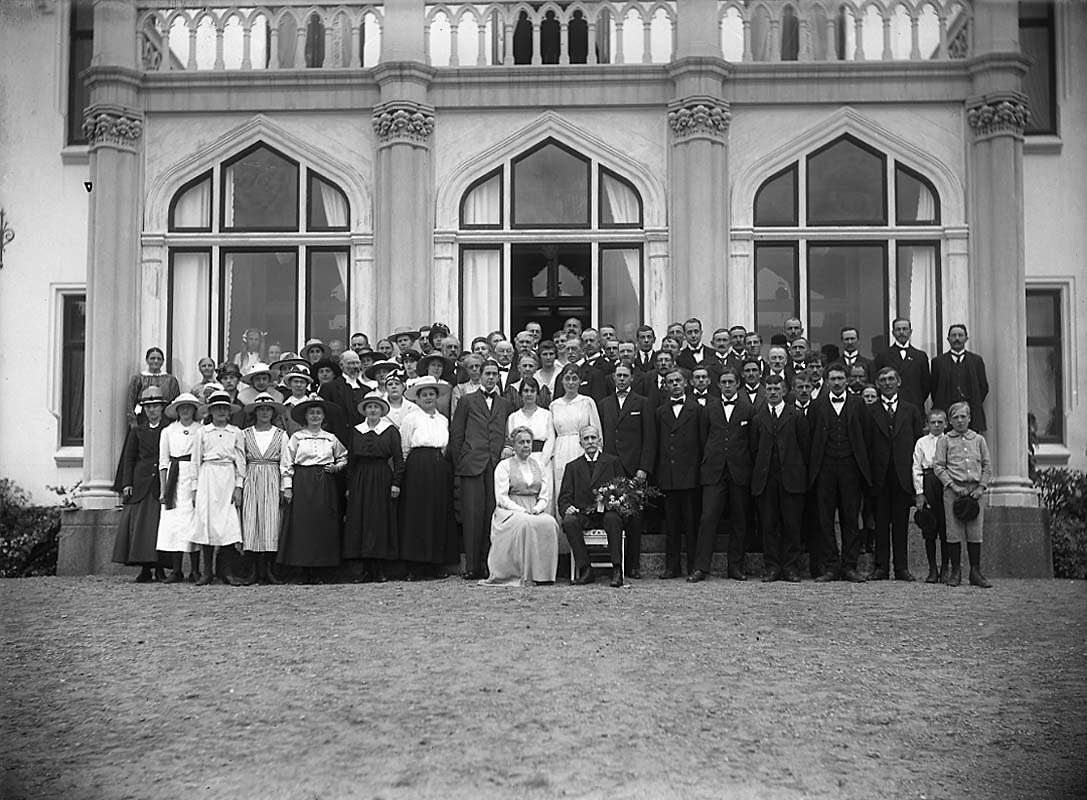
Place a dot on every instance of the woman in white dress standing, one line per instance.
(177, 477)
(524, 536)
(219, 456)
(570, 413)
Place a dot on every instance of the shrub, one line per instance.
(1064, 493)
(28, 532)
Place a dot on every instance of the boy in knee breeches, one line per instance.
(962, 464)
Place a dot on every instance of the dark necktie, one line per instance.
(490, 395)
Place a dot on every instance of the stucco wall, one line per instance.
(46, 205)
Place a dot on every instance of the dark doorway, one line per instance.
(549, 283)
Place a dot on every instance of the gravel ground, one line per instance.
(447, 690)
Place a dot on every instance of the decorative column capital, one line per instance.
(112, 127)
(403, 122)
(998, 115)
(702, 117)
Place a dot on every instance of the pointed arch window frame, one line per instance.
(588, 165)
(615, 176)
(312, 176)
(794, 170)
(884, 219)
(180, 193)
(498, 172)
(234, 159)
(900, 168)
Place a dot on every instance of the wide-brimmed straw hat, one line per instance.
(403, 331)
(298, 412)
(265, 400)
(297, 371)
(372, 370)
(316, 343)
(287, 361)
(219, 399)
(427, 382)
(374, 398)
(254, 371)
(411, 354)
(183, 399)
(448, 367)
(152, 395)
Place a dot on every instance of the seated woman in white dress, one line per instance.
(524, 536)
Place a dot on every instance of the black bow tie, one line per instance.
(679, 402)
(834, 399)
(503, 369)
(728, 402)
(700, 394)
(490, 395)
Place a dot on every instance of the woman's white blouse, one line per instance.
(421, 429)
(305, 449)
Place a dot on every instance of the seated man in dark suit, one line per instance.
(577, 500)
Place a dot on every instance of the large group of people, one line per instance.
(404, 456)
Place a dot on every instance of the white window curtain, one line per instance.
(335, 205)
(481, 292)
(917, 287)
(193, 208)
(228, 198)
(620, 290)
(622, 207)
(483, 204)
(190, 307)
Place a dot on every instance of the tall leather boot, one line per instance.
(976, 578)
(930, 553)
(955, 578)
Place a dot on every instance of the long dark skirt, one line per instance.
(137, 532)
(311, 523)
(428, 531)
(370, 524)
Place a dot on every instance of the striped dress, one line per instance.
(260, 495)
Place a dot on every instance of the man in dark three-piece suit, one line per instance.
(630, 435)
(959, 376)
(839, 471)
(679, 456)
(727, 433)
(477, 435)
(896, 426)
(778, 479)
(577, 505)
(910, 363)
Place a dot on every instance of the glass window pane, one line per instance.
(775, 202)
(260, 192)
(328, 287)
(482, 205)
(481, 292)
(1035, 43)
(190, 306)
(918, 296)
(847, 285)
(775, 285)
(327, 206)
(915, 202)
(1041, 314)
(259, 290)
(619, 202)
(551, 188)
(1043, 390)
(846, 186)
(73, 370)
(191, 208)
(620, 289)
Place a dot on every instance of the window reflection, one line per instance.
(847, 285)
(551, 188)
(846, 185)
(260, 192)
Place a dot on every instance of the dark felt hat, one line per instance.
(925, 520)
(965, 508)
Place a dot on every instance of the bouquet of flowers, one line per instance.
(626, 496)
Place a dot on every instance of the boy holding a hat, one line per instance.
(964, 468)
(929, 497)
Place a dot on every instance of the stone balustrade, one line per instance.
(298, 34)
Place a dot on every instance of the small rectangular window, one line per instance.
(81, 46)
(1045, 363)
(327, 292)
(73, 348)
(777, 276)
(1038, 43)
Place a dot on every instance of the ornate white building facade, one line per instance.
(313, 169)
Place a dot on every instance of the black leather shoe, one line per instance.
(770, 576)
(904, 576)
(697, 576)
(955, 578)
(826, 577)
(616, 577)
(791, 576)
(584, 576)
(854, 577)
(668, 574)
(978, 580)
(736, 575)
(176, 577)
(933, 576)
(634, 573)
(470, 575)
(879, 574)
